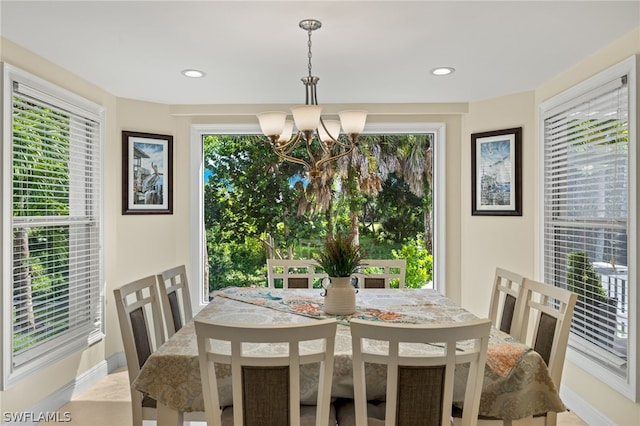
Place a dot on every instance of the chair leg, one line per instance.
(168, 416)
(527, 421)
(551, 419)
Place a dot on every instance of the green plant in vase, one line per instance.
(341, 257)
(339, 260)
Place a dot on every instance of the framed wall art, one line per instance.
(147, 173)
(496, 173)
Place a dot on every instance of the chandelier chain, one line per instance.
(309, 54)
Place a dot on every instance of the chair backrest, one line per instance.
(175, 297)
(552, 310)
(142, 332)
(419, 388)
(507, 287)
(294, 273)
(378, 273)
(243, 346)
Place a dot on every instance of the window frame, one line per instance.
(78, 338)
(196, 185)
(629, 385)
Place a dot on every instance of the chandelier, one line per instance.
(320, 137)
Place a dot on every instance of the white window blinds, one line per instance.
(56, 289)
(586, 192)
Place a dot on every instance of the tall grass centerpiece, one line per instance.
(340, 259)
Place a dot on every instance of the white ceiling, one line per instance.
(365, 52)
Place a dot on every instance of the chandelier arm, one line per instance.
(342, 144)
(326, 148)
(291, 159)
(352, 137)
(289, 145)
(308, 138)
(323, 161)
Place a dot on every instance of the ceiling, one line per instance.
(365, 52)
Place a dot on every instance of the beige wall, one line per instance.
(139, 245)
(490, 241)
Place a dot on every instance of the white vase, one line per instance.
(340, 296)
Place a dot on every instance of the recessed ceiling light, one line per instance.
(193, 73)
(442, 71)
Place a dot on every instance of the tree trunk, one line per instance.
(22, 295)
(354, 232)
(329, 219)
(428, 231)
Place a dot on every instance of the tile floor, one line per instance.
(108, 404)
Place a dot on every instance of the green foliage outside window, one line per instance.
(40, 189)
(257, 207)
(419, 262)
(583, 280)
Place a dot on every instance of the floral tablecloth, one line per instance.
(516, 385)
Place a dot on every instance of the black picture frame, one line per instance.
(147, 173)
(496, 173)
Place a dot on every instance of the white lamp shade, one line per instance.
(333, 126)
(306, 117)
(353, 121)
(272, 122)
(286, 133)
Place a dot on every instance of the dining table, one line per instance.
(516, 382)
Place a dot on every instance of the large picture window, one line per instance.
(588, 216)
(52, 293)
(407, 224)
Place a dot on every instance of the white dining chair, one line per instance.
(266, 388)
(294, 273)
(175, 297)
(380, 273)
(141, 327)
(142, 332)
(507, 287)
(551, 309)
(419, 389)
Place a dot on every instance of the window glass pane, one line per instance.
(382, 193)
(55, 220)
(586, 187)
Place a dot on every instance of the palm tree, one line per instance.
(416, 167)
(362, 173)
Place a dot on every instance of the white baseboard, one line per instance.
(74, 388)
(582, 408)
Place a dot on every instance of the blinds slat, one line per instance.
(56, 169)
(77, 106)
(585, 208)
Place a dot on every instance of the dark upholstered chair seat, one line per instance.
(346, 412)
(147, 401)
(307, 416)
